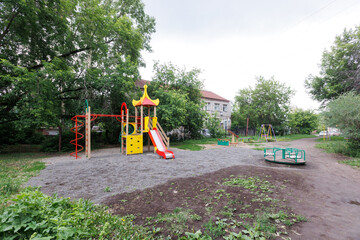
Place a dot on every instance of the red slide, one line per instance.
(159, 145)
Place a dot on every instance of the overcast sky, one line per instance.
(233, 41)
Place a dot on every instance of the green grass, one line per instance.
(193, 144)
(293, 137)
(191, 147)
(176, 221)
(286, 138)
(340, 145)
(258, 148)
(355, 162)
(15, 170)
(332, 139)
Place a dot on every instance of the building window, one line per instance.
(224, 108)
(217, 107)
(208, 106)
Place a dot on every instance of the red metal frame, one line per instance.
(79, 124)
(75, 141)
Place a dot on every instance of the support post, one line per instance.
(121, 133)
(127, 129)
(142, 119)
(76, 138)
(148, 145)
(88, 133)
(136, 121)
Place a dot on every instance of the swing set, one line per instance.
(266, 132)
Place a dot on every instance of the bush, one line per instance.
(343, 113)
(303, 121)
(213, 124)
(51, 143)
(38, 216)
(11, 133)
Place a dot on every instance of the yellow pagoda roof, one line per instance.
(145, 100)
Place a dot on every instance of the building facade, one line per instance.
(215, 103)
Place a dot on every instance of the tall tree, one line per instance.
(267, 103)
(172, 79)
(54, 54)
(303, 121)
(339, 68)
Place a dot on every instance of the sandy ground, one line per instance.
(84, 178)
(331, 199)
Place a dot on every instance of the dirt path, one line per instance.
(333, 203)
(329, 195)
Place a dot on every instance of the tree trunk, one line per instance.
(247, 127)
(60, 136)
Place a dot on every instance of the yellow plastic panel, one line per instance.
(134, 144)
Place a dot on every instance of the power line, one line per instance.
(310, 15)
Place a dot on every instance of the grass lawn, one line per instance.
(16, 169)
(193, 144)
(340, 145)
(293, 137)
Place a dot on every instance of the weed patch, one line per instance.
(234, 206)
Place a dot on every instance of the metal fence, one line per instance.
(242, 131)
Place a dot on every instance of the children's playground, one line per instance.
(325, 192)
(133, 129)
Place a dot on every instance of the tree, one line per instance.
(303, 121)
(339, 68)
(343, 113)
(268, 102)
(173, 82)
(55, 54)
(213, 124)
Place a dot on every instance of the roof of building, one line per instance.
(141, 82)
(211, 95)
(205, 94)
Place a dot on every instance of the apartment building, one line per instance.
(215, 103)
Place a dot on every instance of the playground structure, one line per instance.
(235, 139)
(326, 133)
(266, 132)
(132, 132)
(292, 156)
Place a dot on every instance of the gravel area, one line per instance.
(82, 178)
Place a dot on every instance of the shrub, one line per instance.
(38, 216)
(303, 121)
(213, 124)
(343, 113)
(51, 143)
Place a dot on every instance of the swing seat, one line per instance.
(269, 154)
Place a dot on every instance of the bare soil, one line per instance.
(210, 199)
(325, 192)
